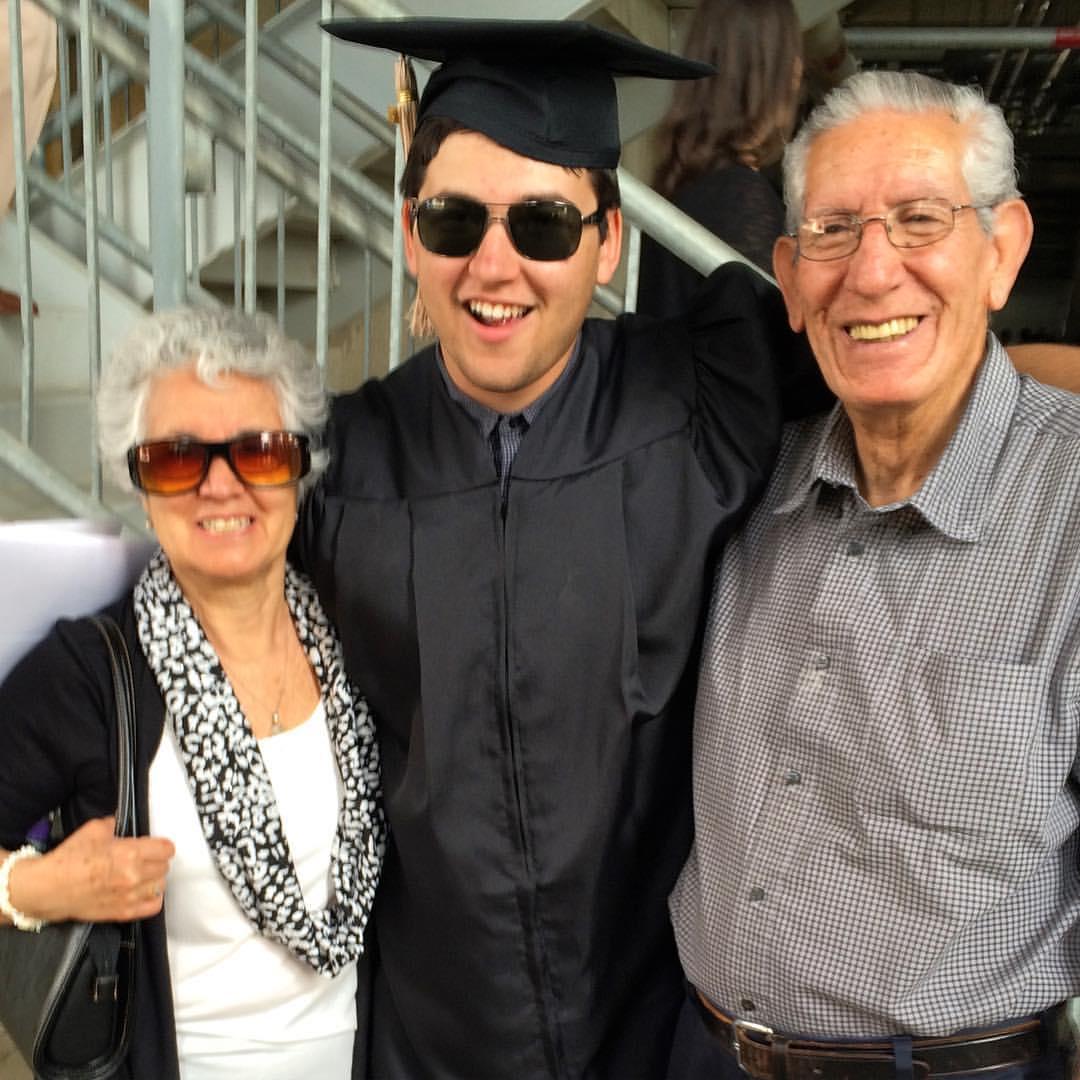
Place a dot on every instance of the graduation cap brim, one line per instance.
(542, 88)
(536, 41)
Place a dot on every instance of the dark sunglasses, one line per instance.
(258, 458)
(542, 229)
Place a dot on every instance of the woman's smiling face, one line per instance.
(223, 531)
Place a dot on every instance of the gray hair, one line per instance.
(214, 342)
(988, 167)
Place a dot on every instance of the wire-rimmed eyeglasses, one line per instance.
(915, 224)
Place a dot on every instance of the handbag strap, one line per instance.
(124, 694)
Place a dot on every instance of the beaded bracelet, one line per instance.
(19, 920)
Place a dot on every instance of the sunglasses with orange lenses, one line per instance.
(258, 458)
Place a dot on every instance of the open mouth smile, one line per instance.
(888, 330)
(495, 314)
(225, 524)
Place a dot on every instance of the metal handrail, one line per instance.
(112, 234)
(205, 108)
(309, 75)
(105, 88)
(357, 208)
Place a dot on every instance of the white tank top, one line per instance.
(245, 1006)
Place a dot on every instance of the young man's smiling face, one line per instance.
(507, 324)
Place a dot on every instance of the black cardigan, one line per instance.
(58, 748)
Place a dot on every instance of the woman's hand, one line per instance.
(94, 876)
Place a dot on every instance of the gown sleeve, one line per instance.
(751, 374)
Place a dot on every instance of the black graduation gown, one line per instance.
(532, 680)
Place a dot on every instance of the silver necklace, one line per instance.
(275, 714)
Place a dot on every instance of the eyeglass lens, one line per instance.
(543, 229)
(908, 225)
(259, 459)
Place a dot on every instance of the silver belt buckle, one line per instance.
(748, 1026)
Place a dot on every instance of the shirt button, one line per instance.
(856, 547)
(757, 893)
(746, 1005)
(821, 662)
(792, 776)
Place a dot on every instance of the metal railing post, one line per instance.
(22, 219)
(633, 263)
(93, 285)
(397, 265)
(322, 288)
(165, 127)
(251, 140)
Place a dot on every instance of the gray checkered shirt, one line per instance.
(885, 777)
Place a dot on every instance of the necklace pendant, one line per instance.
(275, 723)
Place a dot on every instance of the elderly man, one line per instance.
(884, 879)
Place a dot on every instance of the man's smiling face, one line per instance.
(507, 324)
(894, 329)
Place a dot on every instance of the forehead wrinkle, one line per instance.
(877, 167)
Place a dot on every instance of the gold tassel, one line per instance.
(404, 112)
(404, 115)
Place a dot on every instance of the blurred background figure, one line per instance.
(721, 133)
(39, 76)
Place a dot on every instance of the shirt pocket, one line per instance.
(954, 741)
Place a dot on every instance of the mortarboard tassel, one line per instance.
(404, 112)
(404, 115)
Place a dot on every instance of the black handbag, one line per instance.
(67, 992)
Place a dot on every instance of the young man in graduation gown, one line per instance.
(515, 537)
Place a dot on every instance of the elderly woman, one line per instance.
(254, 904)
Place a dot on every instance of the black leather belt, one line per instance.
(768, 1055)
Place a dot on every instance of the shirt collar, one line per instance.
(951, 497)
(486, 418)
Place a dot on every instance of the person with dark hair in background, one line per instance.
(718, 136)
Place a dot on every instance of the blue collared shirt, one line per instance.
(504, 431)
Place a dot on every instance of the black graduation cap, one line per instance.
(542, 88)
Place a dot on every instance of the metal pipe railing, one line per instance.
(54, 485)
(356, 207)
(999, 60)
(111, 83)
(109, 231)
(322, 295)
(397, 267)
(250, 230)
(1022, 59)
(107, 141)
(165, 101)
(65, 101)
(309, 75)
(218, 81)
(18, 125)
(93, 273)
(204, 108)
(865, 39)
(633, 263)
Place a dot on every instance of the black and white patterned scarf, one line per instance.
(231, 786)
